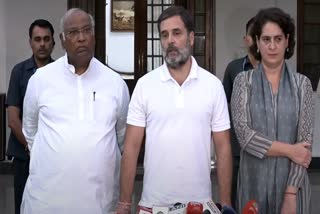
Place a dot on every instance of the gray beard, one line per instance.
(181, 59)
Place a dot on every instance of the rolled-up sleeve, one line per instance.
(251, 141)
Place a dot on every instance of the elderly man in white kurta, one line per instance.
(74, 122)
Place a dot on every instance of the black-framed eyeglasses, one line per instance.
(75, 33)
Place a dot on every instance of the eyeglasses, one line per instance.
(75, 33)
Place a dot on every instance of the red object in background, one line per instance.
(250, 208)
(194, 208)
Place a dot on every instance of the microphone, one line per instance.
(250, 208)
(177, 208)
(227, 210)
(160, 210)
(211, 208)
(194, 208)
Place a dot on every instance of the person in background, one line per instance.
(245, 63)
(272, 112)
(42, 43)
(180, 106)
(74, 122)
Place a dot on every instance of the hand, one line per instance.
(123, 208)
(289, 205)
(301, 154)
(26, 149)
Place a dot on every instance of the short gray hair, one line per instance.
(68, 13)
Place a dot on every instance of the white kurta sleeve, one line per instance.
(30, 112)
(122, 114)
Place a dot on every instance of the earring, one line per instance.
(258, 50)
(287, 49)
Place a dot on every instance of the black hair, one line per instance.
(249, 25)
(278, 16)
(177, 11)
(43, 24)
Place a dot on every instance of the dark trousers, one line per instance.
(21, 172)
(236, 162)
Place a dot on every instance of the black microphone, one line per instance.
(227, 210)
(219, 206)
(177, 208)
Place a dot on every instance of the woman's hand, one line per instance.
(289, 205)
(300, 154)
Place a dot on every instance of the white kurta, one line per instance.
(74, 126)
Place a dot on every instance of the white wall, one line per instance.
(119, 46)
(230, 27)
(3, 47)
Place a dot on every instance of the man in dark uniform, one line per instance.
(42, 43)
(233, 69)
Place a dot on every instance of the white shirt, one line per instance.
(74, 126)
(179, 121)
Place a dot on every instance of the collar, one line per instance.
(165, 74)
(246, 64)
(70, 67)
(31, 63)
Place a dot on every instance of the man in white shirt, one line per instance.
(74, 122)
(179, 106)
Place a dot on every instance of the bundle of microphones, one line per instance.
(198, 208)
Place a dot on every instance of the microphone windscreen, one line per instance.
(219, 206)
(250, 208)
(227, 210)
(194, 208)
